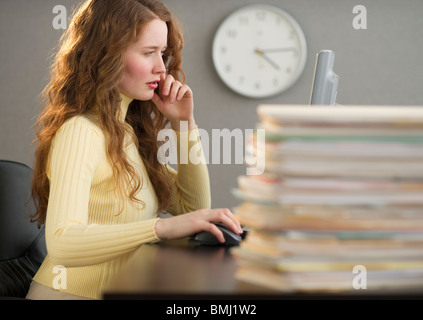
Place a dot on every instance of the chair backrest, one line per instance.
(22, 243)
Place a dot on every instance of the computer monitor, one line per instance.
(325, 81)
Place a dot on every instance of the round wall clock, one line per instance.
(259, 51)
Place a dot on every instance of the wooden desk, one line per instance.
(183, 270)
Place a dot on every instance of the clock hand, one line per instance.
(279, 50)
(265, 57)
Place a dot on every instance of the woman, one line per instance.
(98, 184)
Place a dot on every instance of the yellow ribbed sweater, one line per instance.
(87, 231)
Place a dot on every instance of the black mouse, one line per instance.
(209, 239)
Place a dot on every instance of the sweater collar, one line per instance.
(124, 105)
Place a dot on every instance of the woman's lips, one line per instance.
(153, 84)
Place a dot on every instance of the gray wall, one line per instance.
(381, 65)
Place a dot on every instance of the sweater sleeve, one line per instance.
(71, 240)
(190, 182)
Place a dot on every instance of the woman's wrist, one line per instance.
(183, 125)
(159, 229)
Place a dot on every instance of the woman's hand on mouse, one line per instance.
(187, 224)
(175, 101)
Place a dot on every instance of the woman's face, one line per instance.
(143, 62)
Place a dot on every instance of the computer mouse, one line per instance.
(207, 238)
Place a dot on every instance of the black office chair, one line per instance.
(22, 243)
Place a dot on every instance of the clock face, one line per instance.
(259, 51)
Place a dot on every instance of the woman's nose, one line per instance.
(160, 66)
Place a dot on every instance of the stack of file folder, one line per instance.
(339, 206)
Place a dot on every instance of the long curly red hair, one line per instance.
(87, 70)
